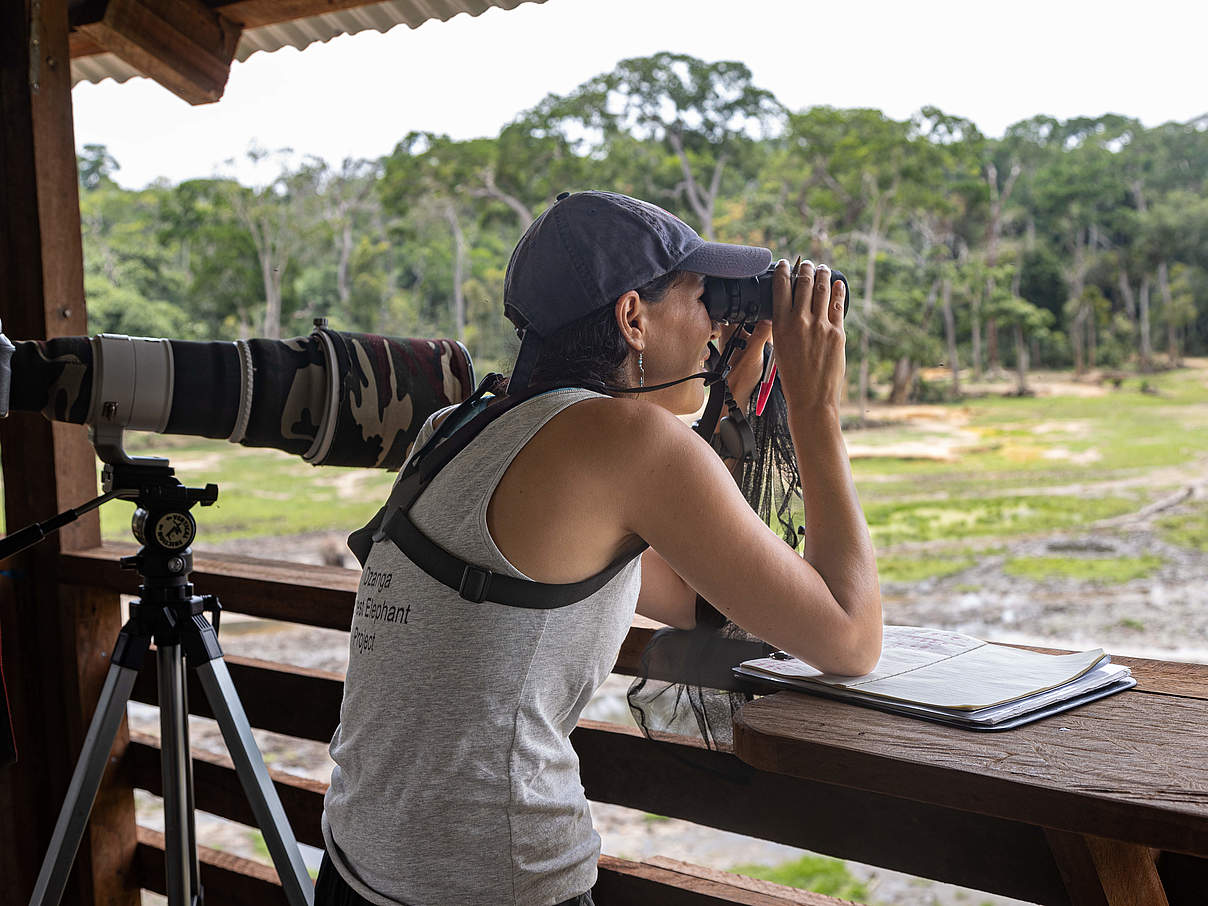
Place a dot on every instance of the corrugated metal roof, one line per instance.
(301, 33)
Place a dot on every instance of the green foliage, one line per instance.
(1052, 236)
(820, 874)
(1101, 570)
(261, 492)
(114, 309)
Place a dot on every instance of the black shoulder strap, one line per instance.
(473, 583)
(476, 584)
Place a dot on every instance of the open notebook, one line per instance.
(956, 679)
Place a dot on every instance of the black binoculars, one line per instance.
(749, 299)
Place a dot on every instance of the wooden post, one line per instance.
(57, 639)
(1102, 872)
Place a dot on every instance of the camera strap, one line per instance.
(471, 582)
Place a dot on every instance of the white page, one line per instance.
(1103, 675)
(946, 670)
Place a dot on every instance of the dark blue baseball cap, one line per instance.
(588, 249)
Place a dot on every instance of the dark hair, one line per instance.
(592, 348)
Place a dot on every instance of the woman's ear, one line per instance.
(630, 312)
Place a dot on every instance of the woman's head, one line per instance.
(652, 334)
(597, 268)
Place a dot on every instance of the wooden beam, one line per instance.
(296, 701)
(1102, 872)
(1151, 794)
(182, 44)
(679, 778)
(245, 13)
(669, 882)
(219, 792)
(275, 590)
(56, 641)
(227, 879)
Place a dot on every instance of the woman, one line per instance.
(455, 781)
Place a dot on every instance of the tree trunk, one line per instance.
(272, 296)
(870, 277)
(998, 200)
(1172, 329)
(1091, 336)
(459, 257)
(977, 350)
(903, 381)
(490, 189)
(950, 333)
(1126, 292)
(701, 201)
(1076, 341)
(343, 289)
(1077, 275)
(1146, 343)
(1021, 362)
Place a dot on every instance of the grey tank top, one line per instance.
(454, 779)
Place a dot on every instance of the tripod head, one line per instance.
(162, 523)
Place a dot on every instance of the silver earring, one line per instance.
(642, 372)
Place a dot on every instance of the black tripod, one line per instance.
(168, 612)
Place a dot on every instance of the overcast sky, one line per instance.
(995, 63)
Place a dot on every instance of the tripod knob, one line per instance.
(129, 562)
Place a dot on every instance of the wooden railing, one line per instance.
(619, 765)
(672, 776)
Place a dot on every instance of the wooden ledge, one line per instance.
(1130, 767)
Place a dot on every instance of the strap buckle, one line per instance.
(474, 583)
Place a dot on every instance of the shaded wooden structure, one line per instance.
(59, 603)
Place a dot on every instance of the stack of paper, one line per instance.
(957, 679)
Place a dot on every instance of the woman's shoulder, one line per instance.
(625, 418)
(614, 435)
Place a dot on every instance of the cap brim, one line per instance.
(719, 259)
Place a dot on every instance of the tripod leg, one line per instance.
(175, 759)
(262, 796)
(190, 806)
(86, 779)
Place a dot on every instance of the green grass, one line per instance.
(260, 847)
(968, 517)
(1103, 571)
(1023, 466)
(1087, 439)
(905, 568)
(262, 493)
(817, 873)
(1187, 529)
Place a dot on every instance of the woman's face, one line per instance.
(678, 345)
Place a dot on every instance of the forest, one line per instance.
(1079, 244)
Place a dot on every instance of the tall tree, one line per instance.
(708, 116)
(278, 215)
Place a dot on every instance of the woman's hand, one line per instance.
(746, 365)
(807, 329)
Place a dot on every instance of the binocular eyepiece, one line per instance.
(749, 299)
